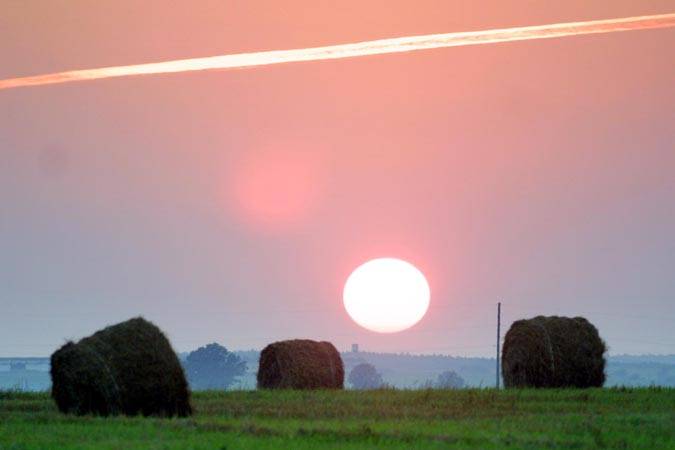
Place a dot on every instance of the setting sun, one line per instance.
(386, 295)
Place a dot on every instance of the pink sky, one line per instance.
(535, 173)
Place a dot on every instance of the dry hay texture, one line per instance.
(552, 352)
(300, 364)
(128, 368)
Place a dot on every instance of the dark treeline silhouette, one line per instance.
(397, 369)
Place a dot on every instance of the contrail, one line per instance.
(377, 47)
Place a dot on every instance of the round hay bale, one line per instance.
(128, 368)
(300, 364)
(553, 352)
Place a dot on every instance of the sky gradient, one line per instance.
(232, 206)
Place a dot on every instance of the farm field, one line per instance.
(485, 419)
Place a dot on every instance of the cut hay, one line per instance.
(553, 352)
(300, 364)
(128, 368)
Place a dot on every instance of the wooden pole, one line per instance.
(499, 314)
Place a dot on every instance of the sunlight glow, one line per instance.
(386, 295)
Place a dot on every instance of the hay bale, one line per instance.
(128, 368)
(300, 364)
(553, 352)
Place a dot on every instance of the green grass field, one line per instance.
(481, 419)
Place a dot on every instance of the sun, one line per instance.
(386, 295)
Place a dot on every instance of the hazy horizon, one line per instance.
(232, 206)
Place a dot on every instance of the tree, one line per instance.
(449, 380)
(365, 376)
(213, 367)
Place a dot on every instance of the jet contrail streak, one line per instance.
(377, 47)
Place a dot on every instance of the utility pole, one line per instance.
(499, 317)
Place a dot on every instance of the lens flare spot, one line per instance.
(275, 189)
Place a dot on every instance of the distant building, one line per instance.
(355, 348)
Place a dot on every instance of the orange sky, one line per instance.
(538, 173)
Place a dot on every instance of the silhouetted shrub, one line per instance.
(449, 380)
(365, 376)
(300, 364)
(17, 366)
(213, 367)
(553, 352)
(128, 368)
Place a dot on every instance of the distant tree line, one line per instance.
(213, 367)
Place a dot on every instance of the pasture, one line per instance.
(392, 419)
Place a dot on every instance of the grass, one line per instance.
(482, 419)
